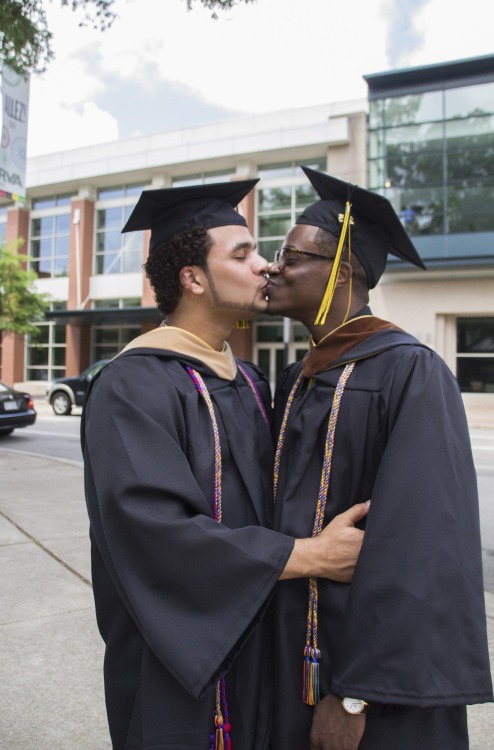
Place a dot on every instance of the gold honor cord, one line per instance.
(329, 293)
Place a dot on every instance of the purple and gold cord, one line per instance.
(312, 654)
(220, 732)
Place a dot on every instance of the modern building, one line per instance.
(424, 138)
(431, 152)
(79, 200)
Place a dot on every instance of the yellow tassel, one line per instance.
(331, 286)
(242, 325)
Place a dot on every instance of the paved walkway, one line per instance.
(51, 692)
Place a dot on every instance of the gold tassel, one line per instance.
(331, 286)
(242, 325)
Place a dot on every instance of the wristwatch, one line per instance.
(354, 706)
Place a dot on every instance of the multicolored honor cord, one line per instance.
(219, 738)
(312, 654)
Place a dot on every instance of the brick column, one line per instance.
(80, 271)
(13, 344)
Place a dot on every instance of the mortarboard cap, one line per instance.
(376, 230)
(173, 210)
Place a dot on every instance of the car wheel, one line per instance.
(61, 403)
(4, 433)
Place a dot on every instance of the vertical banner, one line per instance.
(15, 107)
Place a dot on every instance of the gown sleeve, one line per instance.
(415, 627)
(194, 588)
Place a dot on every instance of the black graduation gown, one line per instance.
(409, 633)
(177, 595)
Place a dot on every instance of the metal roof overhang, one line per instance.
(106, 316)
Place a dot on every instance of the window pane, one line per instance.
(275, 170)
(37, 355)
(318, 163)
(107, 263)
(131, 262)
(64, 200)
(134, 190)
(304, 196)
(470, 210)
(61, 267)
(43, 203)
(475, 335)
(269, 332)
(413, 108)
(58, 356)
(422, 211)
(376, 113)
(469, 100)
(42, 225)
(59, 333)
(109, 241)
(300, 333)
(62, 247)
(275, 226)
(263, 357)
(127, 334)
(110, 193)
(105, 335)
(63, 224)
(109, 218)
(476, 374)
(275, 198)
(267, 248)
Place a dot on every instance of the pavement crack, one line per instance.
(47, 550)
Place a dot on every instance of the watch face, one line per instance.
(353, 705)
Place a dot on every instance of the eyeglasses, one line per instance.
(280, 255)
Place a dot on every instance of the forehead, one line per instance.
(301, 235)
(227, 238)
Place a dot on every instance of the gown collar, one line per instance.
(340, 341)
(180, 341)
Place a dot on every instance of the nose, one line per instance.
(274, 268)
(260, 265)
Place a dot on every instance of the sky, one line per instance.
(160, 67)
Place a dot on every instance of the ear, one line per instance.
(345, 273)
(191, 279)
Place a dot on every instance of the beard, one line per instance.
(221, 302)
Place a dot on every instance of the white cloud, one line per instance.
(273, 54)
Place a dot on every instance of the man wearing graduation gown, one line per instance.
(403, 648)
(178, 463)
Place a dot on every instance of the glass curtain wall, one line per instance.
(432, 154)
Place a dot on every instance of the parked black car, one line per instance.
(64, 393)
(16, 410)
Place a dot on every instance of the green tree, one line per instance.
(20, 306)
(25, 40)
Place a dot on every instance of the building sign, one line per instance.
(14, 118)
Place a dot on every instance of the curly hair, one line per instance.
(327, 244)
(163, 266)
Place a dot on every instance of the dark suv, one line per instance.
(64, 393)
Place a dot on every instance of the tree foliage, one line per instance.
(20, 306)
(26, 41)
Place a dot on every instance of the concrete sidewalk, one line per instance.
(51, 691)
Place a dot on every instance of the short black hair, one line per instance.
(163, 266)
(328, 244)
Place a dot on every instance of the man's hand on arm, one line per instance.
(334, 553)
(333, 728)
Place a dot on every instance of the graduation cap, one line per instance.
(369, 219)
(173, 210)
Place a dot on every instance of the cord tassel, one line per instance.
(220, 739)
(310, 692)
